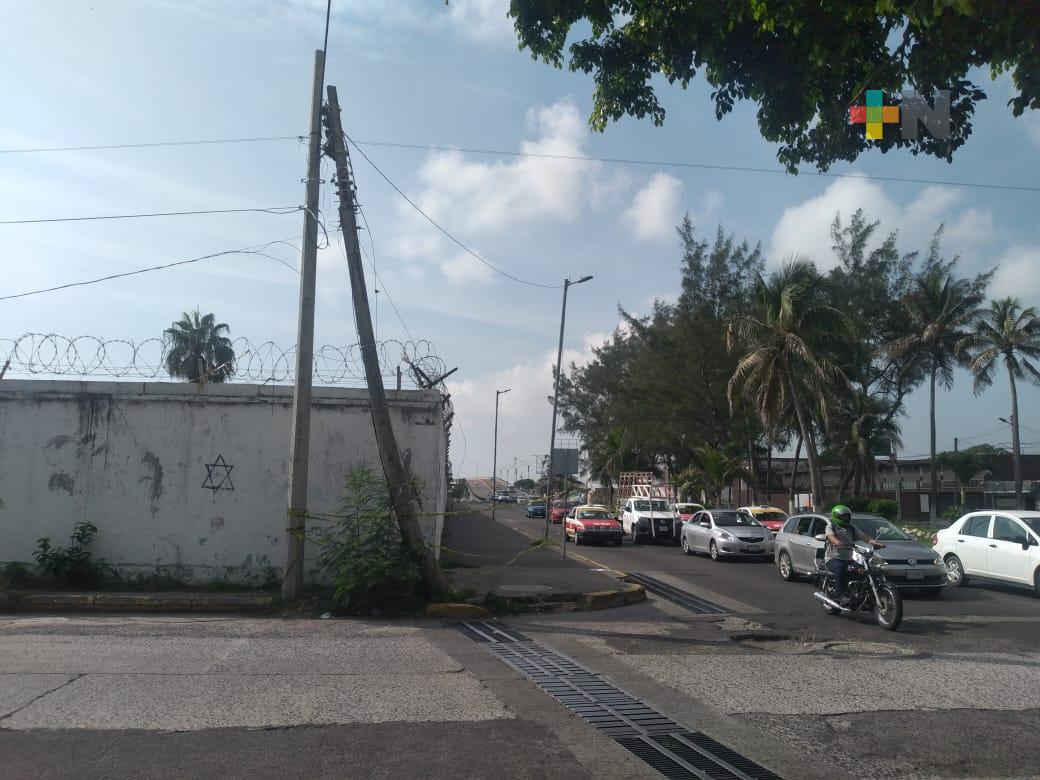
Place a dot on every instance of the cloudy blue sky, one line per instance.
(417, 72)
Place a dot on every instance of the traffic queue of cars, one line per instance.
(987, 545)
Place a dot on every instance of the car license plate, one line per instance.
(752, 548)
(915, 575)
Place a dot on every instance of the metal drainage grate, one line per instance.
(658, 740)
(677, 595)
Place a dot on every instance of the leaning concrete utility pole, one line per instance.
(402, 492)
(300, 438)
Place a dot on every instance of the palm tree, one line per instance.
(711, 471)
(942, 308)
(966, 464)
(1009, 333)
(607, 459)
(198, 349)
(788, 341)
(861, 423)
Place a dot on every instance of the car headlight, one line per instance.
(939, 561)
(877, 563)
(725, 535)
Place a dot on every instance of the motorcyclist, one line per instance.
(841, 535)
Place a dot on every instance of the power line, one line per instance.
(443, 230)
(702, 166)
(280, 210)
(251, 250)
(98, 147)
(509, 153)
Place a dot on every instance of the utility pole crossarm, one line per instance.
(398, 483)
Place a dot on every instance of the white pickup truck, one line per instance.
(648, 519)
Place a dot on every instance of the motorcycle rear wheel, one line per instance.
(889, 609)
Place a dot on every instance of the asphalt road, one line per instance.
(993, 615)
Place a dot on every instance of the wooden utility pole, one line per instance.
(300, 438)
(400, 486)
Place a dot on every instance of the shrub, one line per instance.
(73, 566)
(855, 503)
(888, 508)
(363, 554)
(954, 512)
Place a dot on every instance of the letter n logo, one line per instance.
(935, 118)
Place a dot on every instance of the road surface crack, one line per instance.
(35, 699)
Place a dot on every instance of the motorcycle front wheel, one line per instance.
(889, 609)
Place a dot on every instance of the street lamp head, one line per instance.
(583, 279)
(1004, 420)
(503, 392)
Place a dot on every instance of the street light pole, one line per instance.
(556, 397)
(494, 456)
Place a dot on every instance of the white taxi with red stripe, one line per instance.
(591, 522)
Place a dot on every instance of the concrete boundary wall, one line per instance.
(190, 480)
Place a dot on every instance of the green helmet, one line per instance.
(841, 514)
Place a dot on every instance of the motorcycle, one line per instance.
(866, 586)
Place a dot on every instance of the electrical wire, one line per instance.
(701, 166)
(257, 139)
(280, 210)
(443, 230)
(509, 153)
(257, 249)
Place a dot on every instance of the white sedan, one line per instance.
(1001, 545)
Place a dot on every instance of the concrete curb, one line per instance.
(15, 601)
(577, 602)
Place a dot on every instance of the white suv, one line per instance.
(648, 519)
(997, 544)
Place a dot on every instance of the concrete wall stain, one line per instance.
(216, 523)
(58, 441)
(61, 481)
(156, 477)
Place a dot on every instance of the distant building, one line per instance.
(906, 481)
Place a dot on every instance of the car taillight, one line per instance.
(935, 539)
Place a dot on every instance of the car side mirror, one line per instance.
(821, 537)
(704, 524)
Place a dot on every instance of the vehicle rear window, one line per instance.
(977, 526)
(770, 515)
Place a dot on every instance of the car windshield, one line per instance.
(559, 505)
(594, 514)
(658, 505)
(770, 515)
(729, 519)
(687, 509)
(1033, 523)
(880, 528)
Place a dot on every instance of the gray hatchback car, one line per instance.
(908, 564)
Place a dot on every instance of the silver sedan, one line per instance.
(726, 533)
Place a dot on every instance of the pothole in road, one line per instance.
(869, 649)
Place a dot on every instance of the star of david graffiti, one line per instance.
(218, 475)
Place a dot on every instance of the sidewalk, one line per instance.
(485, 556)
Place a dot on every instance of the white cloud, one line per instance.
(654, 212)
(477, 198)
(464, 268)
(805, 229)
(482, 20)
(1017, 277)
(525, 414)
